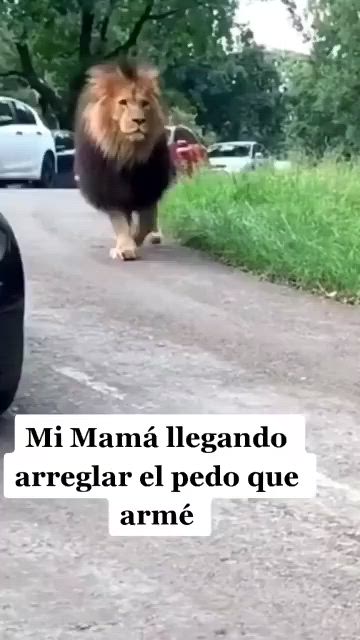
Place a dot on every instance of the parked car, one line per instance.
(65, 150)
(27, 148)
(188, 152)
(238, 156)
(12, 312)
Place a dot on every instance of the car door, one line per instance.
(9, 143)
(198, 149)
(31, 139)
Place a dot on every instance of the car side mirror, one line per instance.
(259, 156)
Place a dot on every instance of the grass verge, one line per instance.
(299, 226)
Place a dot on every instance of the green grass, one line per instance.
(300, 226)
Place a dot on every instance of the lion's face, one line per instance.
(134, 112)
(122, 113)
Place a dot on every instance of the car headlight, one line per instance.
(3, 244)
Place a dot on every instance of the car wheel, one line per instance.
(47, 172)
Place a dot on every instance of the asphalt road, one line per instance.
(177, 333)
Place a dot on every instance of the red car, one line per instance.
(187, 150)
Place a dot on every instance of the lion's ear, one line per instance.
(103, 80)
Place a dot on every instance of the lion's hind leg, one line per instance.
(155, 234)
(145, 224)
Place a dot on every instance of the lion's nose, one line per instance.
(139, 121)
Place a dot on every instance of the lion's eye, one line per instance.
(145, 103)
(123, 102)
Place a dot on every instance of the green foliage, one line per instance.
(220, 87)
(179, 116)
(324, 90)
(236, 94)
(300, 226)
(53, 42)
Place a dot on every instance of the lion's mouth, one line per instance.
(136, 136)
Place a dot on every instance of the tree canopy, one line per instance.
(228, 87)
(55, 41)
(324, 89)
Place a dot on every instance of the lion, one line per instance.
(122, 158)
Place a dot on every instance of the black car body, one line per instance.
(12, 312)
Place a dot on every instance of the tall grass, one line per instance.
(300, 225)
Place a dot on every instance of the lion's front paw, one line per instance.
(125, 252)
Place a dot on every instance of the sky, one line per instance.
(271, 24)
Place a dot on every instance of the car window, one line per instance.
(230, 151)
(184, 134)
(23, 114)
(6, 114)
(64, 141)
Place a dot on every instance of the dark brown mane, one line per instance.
(109, 187)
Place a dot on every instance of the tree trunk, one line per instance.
(75, 86)
(48, 97)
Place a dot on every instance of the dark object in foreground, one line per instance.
(12, 306)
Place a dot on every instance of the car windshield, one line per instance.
(230, 151)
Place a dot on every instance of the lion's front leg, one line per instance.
(125, 246)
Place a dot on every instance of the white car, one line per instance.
(237, 156)
(27, 146)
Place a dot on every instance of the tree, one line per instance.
(55, 41)
(324, 90)
(236, 94)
